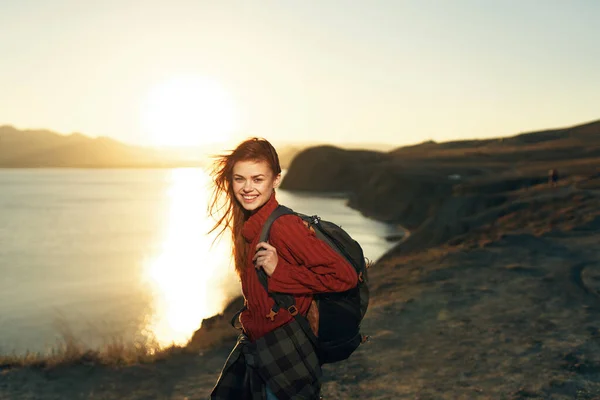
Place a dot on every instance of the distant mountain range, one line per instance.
(43, 148)
(46, 149)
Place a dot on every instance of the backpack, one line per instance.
(340, 313)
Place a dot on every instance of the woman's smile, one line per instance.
(249, 198)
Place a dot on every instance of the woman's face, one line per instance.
(253, 183)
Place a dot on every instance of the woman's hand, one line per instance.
(266, 258)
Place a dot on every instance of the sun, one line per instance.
(188, 111)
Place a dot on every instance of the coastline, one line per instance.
(508, 312)
(493, 294)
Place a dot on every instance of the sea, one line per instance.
(105, 255)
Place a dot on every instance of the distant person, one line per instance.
(273, 358)
(553, 177)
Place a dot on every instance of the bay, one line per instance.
(106, 254)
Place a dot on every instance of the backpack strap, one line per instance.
(278, 212)
(282, 300)
(264, 236)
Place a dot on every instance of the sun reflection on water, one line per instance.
(191, 277)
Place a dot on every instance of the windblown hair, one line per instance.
(223, 206)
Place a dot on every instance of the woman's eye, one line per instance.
(239, 179)
(258, 180)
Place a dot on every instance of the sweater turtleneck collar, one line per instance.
(253, 225)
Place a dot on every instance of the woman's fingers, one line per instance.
(262, 253)
(265, 245)
(266, 257)
(263, 249)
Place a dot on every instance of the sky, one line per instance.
(186, 72)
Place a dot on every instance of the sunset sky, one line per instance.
(192, 71)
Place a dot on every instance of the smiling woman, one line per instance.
(188, 111)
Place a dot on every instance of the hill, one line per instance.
(409, 185)
(43, 148)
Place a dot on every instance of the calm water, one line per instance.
(122, 254)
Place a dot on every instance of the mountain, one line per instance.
(44, 148)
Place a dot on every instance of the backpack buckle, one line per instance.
(293, 310)
(271, 315)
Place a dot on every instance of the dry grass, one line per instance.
(589, 184)
(71, 350)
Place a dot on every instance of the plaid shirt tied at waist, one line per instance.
(283, 359)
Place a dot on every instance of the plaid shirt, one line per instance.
(284, 359)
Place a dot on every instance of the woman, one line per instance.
(273, 358)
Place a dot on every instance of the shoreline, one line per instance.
(508, 314)
(88, 337)
(492, 294)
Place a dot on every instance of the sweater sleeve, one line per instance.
(317, 267)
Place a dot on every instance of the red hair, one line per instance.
(223, 206)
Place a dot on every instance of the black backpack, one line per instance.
(341, 313)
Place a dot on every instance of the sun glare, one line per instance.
(188, 111)
(191, 279)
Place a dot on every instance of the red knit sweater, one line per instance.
(306, 266)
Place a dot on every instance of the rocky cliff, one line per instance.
(440, 191)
